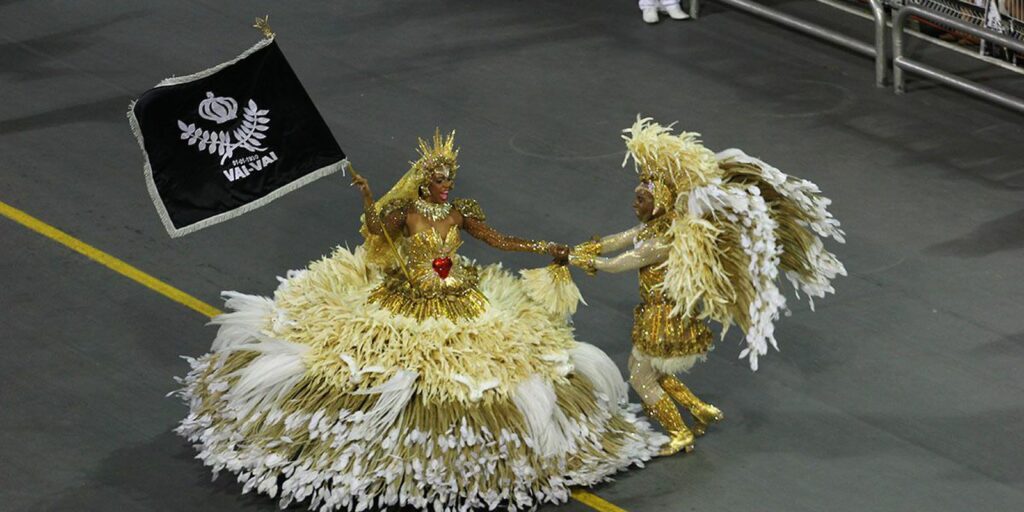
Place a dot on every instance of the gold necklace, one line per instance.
(433, 211)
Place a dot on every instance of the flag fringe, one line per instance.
(176, 80)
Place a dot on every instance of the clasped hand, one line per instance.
(560, 252)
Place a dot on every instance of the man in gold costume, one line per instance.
(715, 232)
(663, 344)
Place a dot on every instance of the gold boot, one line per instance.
(703, 413)
(680, 437)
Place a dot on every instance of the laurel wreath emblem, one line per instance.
(249, 135)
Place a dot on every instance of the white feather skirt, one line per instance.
(321, 397)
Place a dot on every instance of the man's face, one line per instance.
(643, 204)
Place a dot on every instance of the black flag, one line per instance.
(230, 139)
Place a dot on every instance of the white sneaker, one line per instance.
(650, 15)
(675, 12)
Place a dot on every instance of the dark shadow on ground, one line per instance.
(1003, 234)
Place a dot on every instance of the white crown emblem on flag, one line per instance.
(247, 136)
(219, 109)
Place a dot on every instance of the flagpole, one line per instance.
(398, 255)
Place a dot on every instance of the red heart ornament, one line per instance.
(443, 266)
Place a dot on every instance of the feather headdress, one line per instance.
(667, 164)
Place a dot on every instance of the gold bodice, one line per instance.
(419, 252)
(656, 332)
(650, 277)
(653, 275)
(422, 287)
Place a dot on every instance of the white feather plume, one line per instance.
(355, 372)
(250, 315)
(267, 379)
(536, 400)
(594, 364)
(392, 397)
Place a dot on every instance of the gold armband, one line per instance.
(591, 247)
(583, 261)
(583, 256)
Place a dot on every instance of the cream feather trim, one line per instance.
(670, 365)
(553, 288)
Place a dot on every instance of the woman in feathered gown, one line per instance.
(402, 374)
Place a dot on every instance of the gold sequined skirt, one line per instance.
(657, 334)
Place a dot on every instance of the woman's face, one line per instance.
(438, 186)
(643, 204)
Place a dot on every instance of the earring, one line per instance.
(423, 191)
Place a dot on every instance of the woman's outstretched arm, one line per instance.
(616, 242)
(480, 230)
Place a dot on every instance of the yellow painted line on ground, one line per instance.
(591, 500)
(107, 260)
(594, 501)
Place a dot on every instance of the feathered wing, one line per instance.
(803, 221)
(731, 238)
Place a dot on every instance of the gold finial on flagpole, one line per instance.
(263, 25)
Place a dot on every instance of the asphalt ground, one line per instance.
(902, 392)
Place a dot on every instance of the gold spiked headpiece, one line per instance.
(440, 157)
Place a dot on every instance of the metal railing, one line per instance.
(875, 49)
(902, 63)
(965, 12)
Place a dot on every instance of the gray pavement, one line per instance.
(900, 393)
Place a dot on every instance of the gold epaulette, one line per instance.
(469, 208)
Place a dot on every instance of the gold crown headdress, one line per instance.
(441, 156)
(667, 164)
